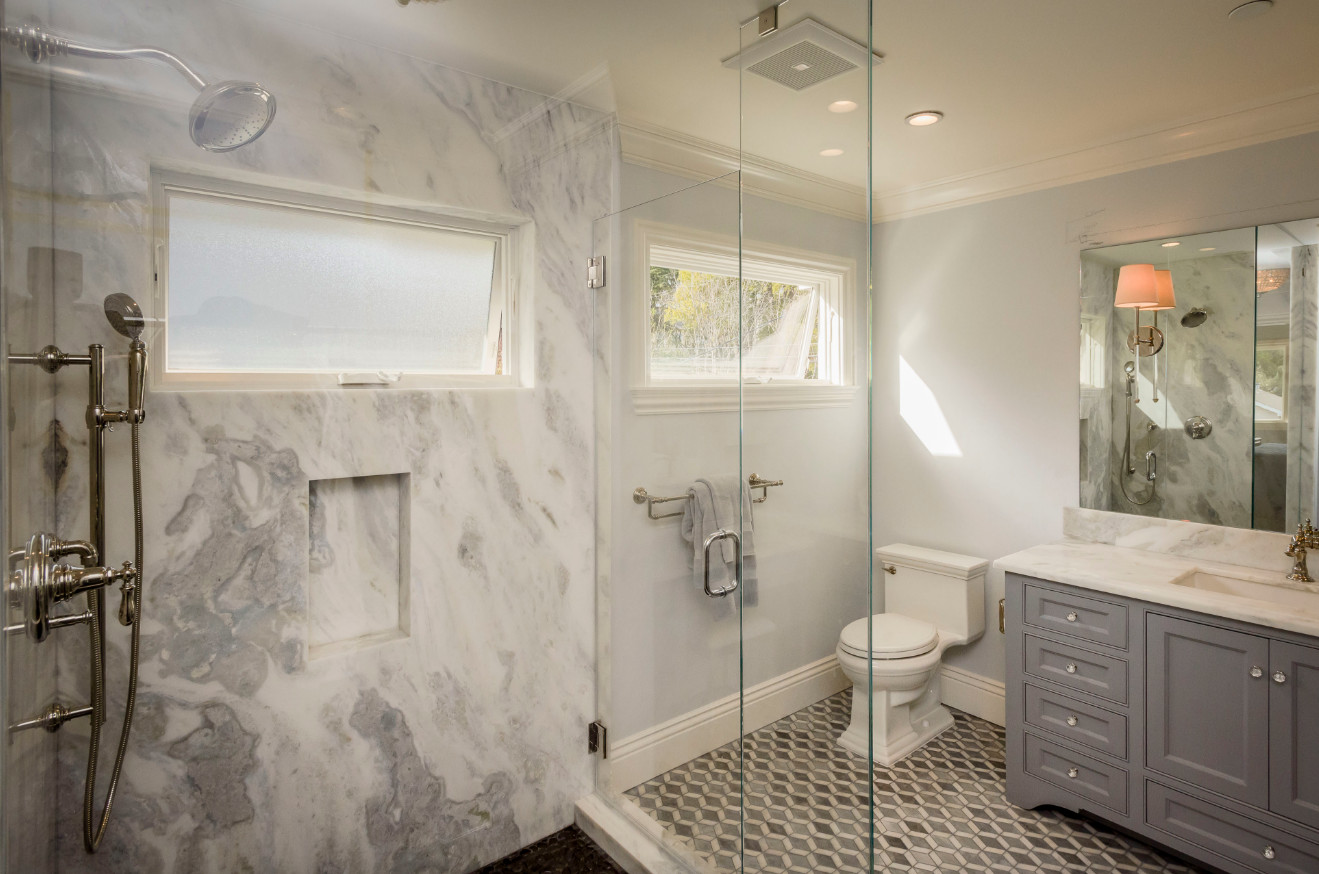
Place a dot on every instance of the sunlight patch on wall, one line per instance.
(921, 411)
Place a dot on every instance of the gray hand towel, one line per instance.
(714, 504)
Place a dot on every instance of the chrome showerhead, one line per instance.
(1129, 367)
(1195, 318)
(125, 315)
(225, 115)
(228, 115)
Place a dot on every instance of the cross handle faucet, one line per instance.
(1304, 538)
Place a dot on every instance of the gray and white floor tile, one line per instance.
(941, 809)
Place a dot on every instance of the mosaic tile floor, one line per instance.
(940, 809)
(568, 851)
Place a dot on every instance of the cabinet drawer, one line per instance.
(1085, 618)
(1089, 778)
(1228, 834)
(1075, 720)
(1075, 668)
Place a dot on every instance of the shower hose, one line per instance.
(92, 833)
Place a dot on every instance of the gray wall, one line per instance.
(982, 302)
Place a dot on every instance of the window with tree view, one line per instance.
(786, 327)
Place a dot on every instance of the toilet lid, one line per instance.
(894, 637)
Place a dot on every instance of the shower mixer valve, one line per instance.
(38, 583)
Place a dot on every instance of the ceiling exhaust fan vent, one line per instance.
(800, 56)
(801, 66)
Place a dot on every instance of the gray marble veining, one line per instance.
(357, 576)
(1261, 550)
(440, 751)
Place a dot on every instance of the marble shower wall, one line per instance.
(1302, 374)
(1097, 322)
(31, 269)
(463, 740)
(1204, 371)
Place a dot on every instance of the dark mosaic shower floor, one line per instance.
(940, 809)
(568, 851)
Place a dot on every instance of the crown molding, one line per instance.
(1245, 125)
(658, 148)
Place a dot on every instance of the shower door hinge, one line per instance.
(595, 272)
(597, 739)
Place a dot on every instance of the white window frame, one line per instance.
(716, 253)
(510, 300)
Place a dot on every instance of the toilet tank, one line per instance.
(942, 588)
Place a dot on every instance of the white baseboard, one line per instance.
(647, 754)
(973, 694)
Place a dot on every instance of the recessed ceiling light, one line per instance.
(831, 153)
(1170, 244)
(1208, 249)
(801, 68)
(1252, 9)
(842, 106)
(925, 117)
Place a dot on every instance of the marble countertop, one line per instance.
(1153, 577)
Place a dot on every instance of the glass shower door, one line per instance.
(805, 241)
(29, 264)
(666, 335)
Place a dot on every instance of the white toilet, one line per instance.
(932, 600)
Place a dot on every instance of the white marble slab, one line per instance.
(1265, 550)
(1151, 576)
(357, 588)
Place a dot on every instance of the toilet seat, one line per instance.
(894, 637)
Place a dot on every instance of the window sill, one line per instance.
(659, 399)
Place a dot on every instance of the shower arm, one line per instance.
(40, 45)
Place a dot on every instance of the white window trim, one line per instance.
(718, 253)
(513, 300)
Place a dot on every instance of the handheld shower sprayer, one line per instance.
(125, 316)
(225, 116)
(1151, 458)
(39, 583)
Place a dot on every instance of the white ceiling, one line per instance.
(1034, 91)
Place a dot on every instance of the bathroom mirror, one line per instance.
(1197, 377)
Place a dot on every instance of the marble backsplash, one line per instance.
(449, 746)
(1262, 550)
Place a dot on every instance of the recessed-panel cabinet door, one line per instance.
(1294, 732)
(1207, 700)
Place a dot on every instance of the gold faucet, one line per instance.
(1304, 538)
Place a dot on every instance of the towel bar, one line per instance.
(641, 496)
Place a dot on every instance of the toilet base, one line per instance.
(904, 722)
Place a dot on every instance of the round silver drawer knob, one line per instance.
(1257, 672)
(1074, 773)
(1279, 677)
(1071, 669)
(1071, 617)
(1269, 854)
(1072, 720)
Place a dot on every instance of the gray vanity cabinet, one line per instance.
(1207, 707)
(1294, 732)
(1196, 732)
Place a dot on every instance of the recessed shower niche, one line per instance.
(358, 548)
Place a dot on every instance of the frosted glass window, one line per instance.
(260, 287)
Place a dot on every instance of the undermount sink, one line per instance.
(1278, 596)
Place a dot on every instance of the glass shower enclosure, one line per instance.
(733, 522)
